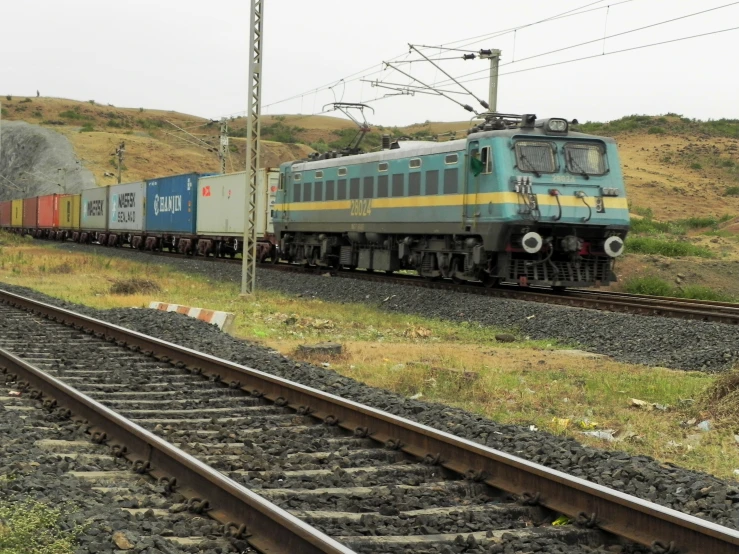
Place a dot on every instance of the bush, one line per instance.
(87, 128)
(731, 191)
(8, 97)
(71, 114)
(92, 102)
(696, 165)
(668, 248)
(26, 101)
(656, 131)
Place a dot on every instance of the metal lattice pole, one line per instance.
(252, 147)
(223, 152)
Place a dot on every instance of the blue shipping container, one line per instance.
(171, 204)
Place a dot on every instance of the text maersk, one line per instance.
(167, 204)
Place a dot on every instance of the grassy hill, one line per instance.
(682, 175)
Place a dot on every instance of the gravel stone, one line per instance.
(641, 476)
(655, 341)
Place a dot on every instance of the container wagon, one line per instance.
(30, 215)
(16, 214)
(6, 209)
(69, 216)
(171, 208)
(127, 214)
(220, 215)
(94, 216)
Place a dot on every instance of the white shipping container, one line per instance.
(221, 203)
(127, 207)
(94, 209)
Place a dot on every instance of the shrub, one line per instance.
(731, 191)
(141, 109)
(696, 165)
(8, 97)
(134, 285)
(87, 128)
(26, 101)
(649, 285)
(92, 102)
(73, 114)
(656, 131)
(668, 248)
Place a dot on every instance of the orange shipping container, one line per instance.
(16, 216)
(48, 211)
(5, 209)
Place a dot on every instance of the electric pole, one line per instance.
(223, 152)
(119, 153)
(249, 269)
(494, 57)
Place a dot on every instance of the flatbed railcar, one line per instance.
(520, 200)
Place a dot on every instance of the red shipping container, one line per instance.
(48, 211)
(30, 213)
(5, 209)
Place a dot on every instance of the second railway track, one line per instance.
(371, 481)
(647, 305)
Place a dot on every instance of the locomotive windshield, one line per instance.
(536, 156)
(585, 159)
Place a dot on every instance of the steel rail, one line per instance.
(267, 528)
(624, 515)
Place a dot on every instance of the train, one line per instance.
(520, 200)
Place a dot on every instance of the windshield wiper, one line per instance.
(574, 163)
(531, 166)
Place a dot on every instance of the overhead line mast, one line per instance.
(249, 269)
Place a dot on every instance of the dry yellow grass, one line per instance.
(524, 382)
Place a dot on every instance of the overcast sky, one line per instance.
(191, 55)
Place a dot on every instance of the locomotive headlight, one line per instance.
(532, 242)
(607, 191)
(557, 125)
(613, 246)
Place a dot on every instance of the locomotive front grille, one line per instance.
(586, 270)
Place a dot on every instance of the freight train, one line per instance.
(519, 200)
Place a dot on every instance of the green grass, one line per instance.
(731, 191)
(648, 226)
(668, 248)
(34, 528)
(654, 286)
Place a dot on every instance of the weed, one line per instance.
(668, 248)
(696, 165)
(656, 131)
(87, 128)
(64, 268)
(652, 285)
(34, 528)
(134, 285)
(731, 191)
(26, 101)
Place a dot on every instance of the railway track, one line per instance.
(288, 468)
(681, 308)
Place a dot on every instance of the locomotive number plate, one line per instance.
(361, 208)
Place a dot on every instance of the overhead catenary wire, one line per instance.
(363, 73)
(640, 47)
(592, 41)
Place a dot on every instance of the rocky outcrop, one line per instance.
(35, 161)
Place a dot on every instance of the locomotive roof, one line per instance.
(411, 148)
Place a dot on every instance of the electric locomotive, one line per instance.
(519, 200)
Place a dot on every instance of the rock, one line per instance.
(505, 337)
(121, 541)
(324, 348)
